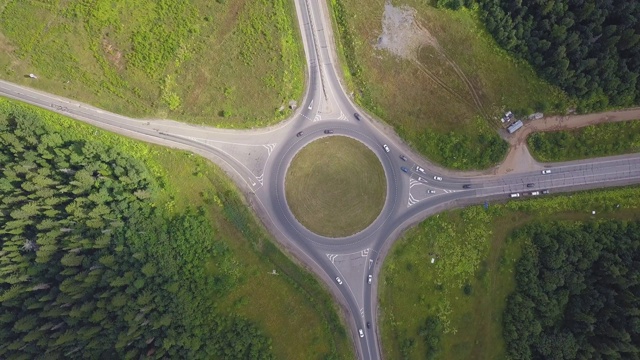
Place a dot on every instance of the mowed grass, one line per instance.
(286, 306)
(335, 186)
(467, 286)
(232, 63)
(594, 140)
(446, 102)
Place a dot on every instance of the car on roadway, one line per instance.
(418, 168)
(534, 193)
(421, 179)
(328, 131)
(545, 191)
(368, 325)
(299, 134)
(357, 116)
(531, 185)
(515, 195)
(338, 280)
(437, 178)
(466, 186)
(403, 158)
(370, 279)
(545, 172)
(431, 191)
(361, 333)
(404, 169)
(386, 148)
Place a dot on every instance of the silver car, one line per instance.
(438, 178)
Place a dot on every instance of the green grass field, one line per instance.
(592, 141)
(231, 63)
(445, 101)
(290, 305)
(466, 287)
(335, 186)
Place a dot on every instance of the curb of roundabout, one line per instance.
(314, 133)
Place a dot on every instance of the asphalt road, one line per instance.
(258, 159)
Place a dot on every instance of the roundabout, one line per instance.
(335, 186)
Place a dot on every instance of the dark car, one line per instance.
(404, 169)
(404, 158)
(531, 185)
(357, 116)
(368, 325)
(466, 186)
(299, 134)
(328, 131)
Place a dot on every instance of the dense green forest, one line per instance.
(577, 292)
(589, 48)
(90, 267)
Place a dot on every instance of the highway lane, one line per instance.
(258, 159)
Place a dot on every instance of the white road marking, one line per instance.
(270, 148)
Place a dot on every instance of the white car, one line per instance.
(339, 280)
(386, 148)
(534, 193)
(515, 195)
(361, 333)
(370, 279)
(545, 172)
(431, 191)
(438, 178)
(418, 168)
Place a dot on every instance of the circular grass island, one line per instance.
(335, 186)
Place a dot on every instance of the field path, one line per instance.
(519, 156)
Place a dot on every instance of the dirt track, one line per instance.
(519, 157)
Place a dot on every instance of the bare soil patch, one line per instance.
(519, 157)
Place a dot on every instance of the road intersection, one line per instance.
(258, 160)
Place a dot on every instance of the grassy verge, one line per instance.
(595, 140)
(289, 305)
(452, 309)
(327, 191)
(446, 100)
(187, 60)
